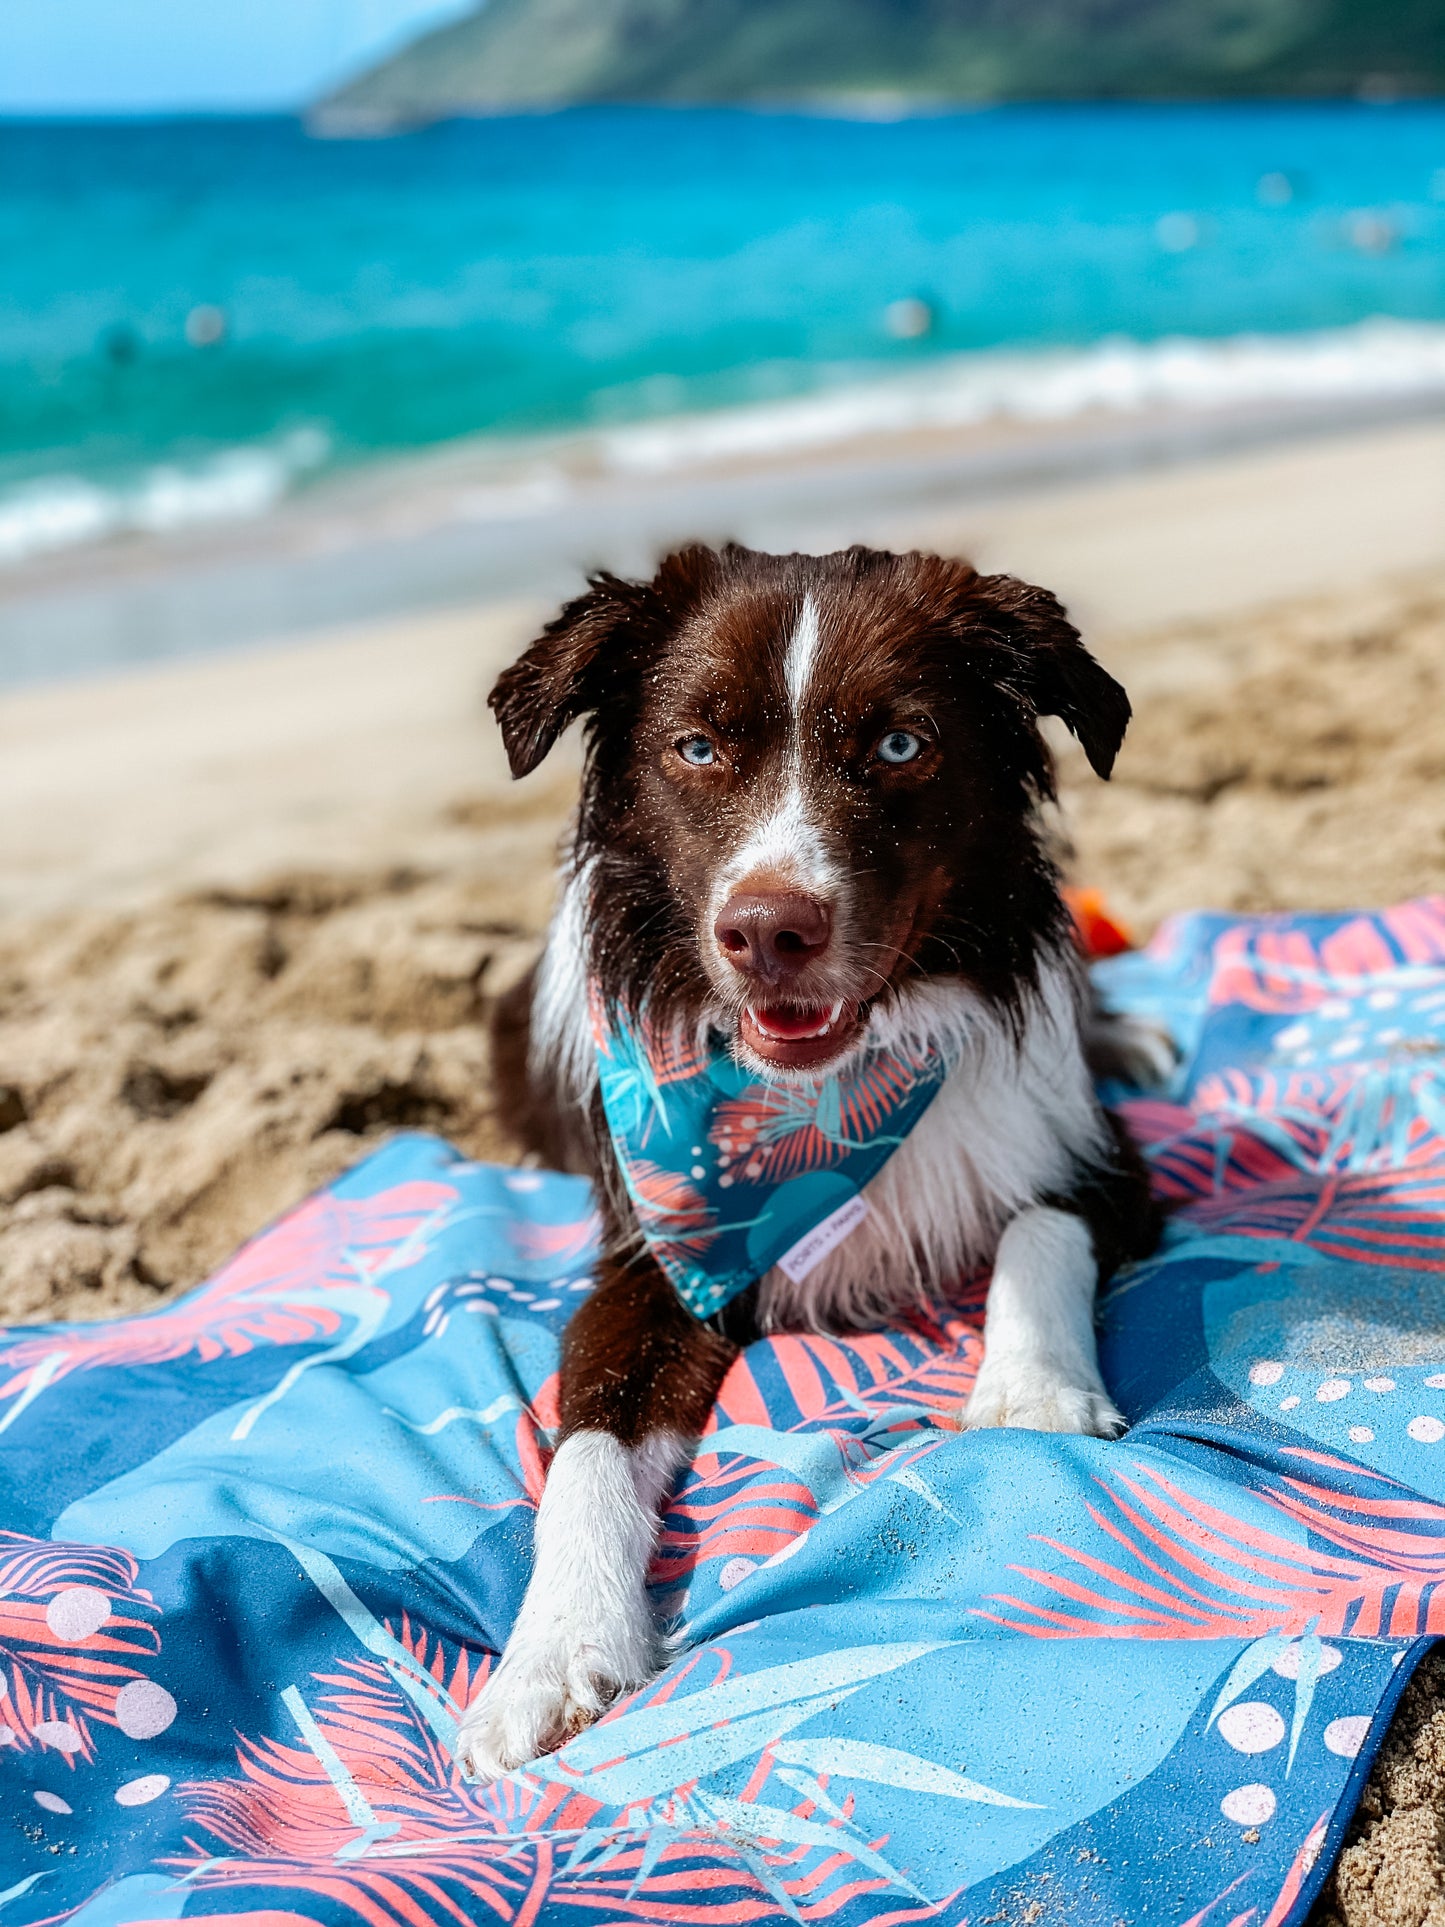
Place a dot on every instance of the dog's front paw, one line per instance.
(547, 1689)
(1034, 1396)
(527, 1708)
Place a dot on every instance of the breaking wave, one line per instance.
(1378, 360)
(63, 511)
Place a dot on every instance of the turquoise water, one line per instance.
(606, 266)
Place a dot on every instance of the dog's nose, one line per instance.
(773, 935)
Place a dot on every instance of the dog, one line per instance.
(809, 830)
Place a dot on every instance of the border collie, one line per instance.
(808, 831)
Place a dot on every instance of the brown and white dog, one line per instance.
(809, 821)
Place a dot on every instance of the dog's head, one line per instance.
(811, 780)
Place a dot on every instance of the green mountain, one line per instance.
(521, 55)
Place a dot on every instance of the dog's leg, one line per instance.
(1136, 1050)
(1040, 1366)
(639, 1375)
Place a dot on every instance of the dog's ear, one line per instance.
(584, 654)
(557, 677)
(1046, 666)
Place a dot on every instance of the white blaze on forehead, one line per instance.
(784, 838)
(802, 649)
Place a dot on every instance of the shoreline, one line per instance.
(485, 519)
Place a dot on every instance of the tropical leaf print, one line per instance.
(673, 1054)
(293, 1286)
(363, 1810)
(365, 1813)
(773, 1132)
(1187, 1161)
(1371, 1219)
(1281, 966)
(73, 1625)
(706, 1155)
(1284, 1179)
(559, 1245)
(654, 1763)
(669, 1206)
(1381, 1116)
(930, 1360)
(838, 1415)
(1185, 1568)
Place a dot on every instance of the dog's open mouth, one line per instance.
(799, 1036)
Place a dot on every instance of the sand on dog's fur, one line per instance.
(172, 1076)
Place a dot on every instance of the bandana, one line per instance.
(729, 1174)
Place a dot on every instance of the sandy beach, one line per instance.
(255, 906)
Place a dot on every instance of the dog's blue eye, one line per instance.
(899, 746)
(696, 750)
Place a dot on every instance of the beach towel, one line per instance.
(260, 1546)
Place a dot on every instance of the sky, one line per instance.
(149, 56)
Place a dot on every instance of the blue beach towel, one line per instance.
(260, 1546)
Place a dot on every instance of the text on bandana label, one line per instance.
(811, 1250)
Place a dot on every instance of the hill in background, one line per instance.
(533, 55)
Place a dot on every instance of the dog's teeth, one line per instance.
(824, 1027)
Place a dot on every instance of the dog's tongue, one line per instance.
(791, 1025)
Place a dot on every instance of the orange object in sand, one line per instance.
(1096, 932)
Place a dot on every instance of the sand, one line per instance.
(254, 910)
(1290, 760)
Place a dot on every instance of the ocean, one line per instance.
(198, 316)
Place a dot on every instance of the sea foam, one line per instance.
(1380, 360)
(65, 510)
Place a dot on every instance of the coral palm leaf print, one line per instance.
(363, 1809)
(1181, 1567)
(289, 1287)
(1372, 1218)
(558, 1245)
(1378, 1116)
(669, 1207)
(365, 1814)
(73, 1625)
(773, 1132)
(673, 1054)
(838, 1414)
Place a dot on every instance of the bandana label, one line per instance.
(808, 1253)
(730, 1174)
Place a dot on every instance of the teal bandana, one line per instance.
(729, 1174)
